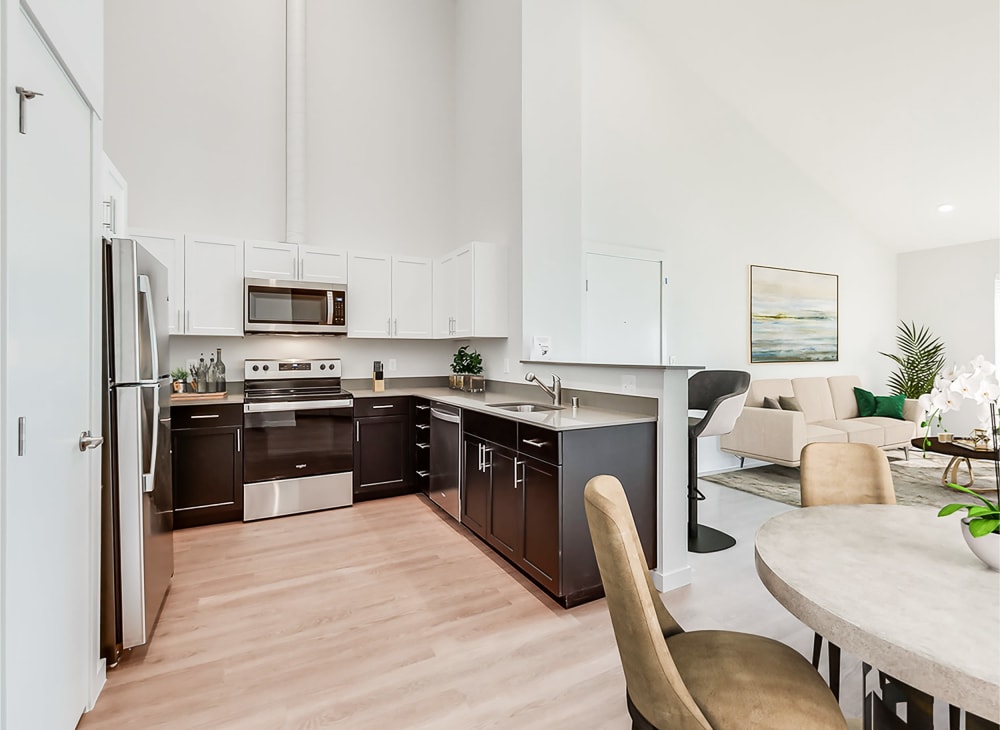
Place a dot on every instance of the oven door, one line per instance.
(294, 306)
(294, 440)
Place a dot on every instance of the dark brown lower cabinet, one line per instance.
(523, 494)
(383, 448)
(207, 462)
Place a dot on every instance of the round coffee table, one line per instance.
(959, 455)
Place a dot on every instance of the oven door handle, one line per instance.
(306, 405)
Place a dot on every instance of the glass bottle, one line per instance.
(220, 371)
(212, 375)
(202, 375)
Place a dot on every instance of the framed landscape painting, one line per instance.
(793, 315)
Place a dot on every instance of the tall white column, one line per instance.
(295, 121)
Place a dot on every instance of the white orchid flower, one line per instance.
(983, 365)
(946, 400)
(966, 385)
(988, 390)
(926, 402)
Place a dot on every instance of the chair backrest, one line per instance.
(721, 393)
(839, 473)
(640, 620)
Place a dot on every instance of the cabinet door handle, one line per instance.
(210, 415)
(180, 325)
(239, 440)
(534, 442)
(482, 459)
(395, 328)
(357, 431)
(388, 327)
(518, 463)
(187, 321)
(388, 406)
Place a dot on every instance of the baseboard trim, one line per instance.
(97, 683)
(664, 582)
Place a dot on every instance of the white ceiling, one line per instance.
(893, 106)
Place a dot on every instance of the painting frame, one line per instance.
(794, 315)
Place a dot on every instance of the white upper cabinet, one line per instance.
(322, 264)
(411, 297)
(369, 301)
(168, 248)
(114, 200)
(270, 260)
(389, 296)
(470, 292)
(213, 286)
(294, 262)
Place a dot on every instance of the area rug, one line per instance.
(917, 480)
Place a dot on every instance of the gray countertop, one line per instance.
(564, 420)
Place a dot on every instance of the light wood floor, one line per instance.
(389, 615)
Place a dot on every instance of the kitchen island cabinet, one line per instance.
(207, 461)
(522, 493)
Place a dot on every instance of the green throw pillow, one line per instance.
(866, 402)
(890, 406)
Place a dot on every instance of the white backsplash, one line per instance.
(414, 358)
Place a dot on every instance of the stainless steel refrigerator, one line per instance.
(137, 493)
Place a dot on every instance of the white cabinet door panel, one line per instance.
(114, 200)
(213, 285)
(411, 297)
(465, 307)
(369, 309)
(322, 264)
(444, 296)
(270, 260)
(168, 248)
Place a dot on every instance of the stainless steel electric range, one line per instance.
(298, 438)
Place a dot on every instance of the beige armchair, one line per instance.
(696, 680)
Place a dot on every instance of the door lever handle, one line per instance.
(90, 442)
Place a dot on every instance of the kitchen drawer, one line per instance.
(540, 443)
(390, 406)
(490, 428)
(208, 415)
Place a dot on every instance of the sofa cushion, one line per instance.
(858, 430)
(890, 406)
(816, 432)
(814, 399)
(866, 402)
(772, 388)
(789, 403)
(845, 405)
(896, 432)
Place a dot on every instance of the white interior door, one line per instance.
(47, 382)
(622, 310)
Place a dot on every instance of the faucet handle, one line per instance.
(556, 379)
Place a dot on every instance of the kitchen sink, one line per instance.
(524, 407)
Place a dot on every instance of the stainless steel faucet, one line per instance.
(555, 392)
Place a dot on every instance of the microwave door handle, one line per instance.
(329, 307)
(143, 286)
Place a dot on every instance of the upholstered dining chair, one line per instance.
(721, 394)
(693, 680)
(842, 473)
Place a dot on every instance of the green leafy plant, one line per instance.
(920, 360)
(982, 520)
(180, 375)
(469, 363)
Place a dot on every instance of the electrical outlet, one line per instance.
(506, 364)
(628, 383)
(392, 364)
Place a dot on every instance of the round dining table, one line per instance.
(895, 586)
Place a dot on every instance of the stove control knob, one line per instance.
(256, 368)
(266, 368)
(323, 366)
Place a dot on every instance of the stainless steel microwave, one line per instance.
(294, 307)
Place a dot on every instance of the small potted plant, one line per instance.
(180, 376)
(467, 371)
(981, 528)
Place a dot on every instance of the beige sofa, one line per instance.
(829, 413)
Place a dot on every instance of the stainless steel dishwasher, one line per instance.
(446, 458)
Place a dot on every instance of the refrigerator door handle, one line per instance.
(148, 477)
(143, 286)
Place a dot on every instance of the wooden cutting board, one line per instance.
(198, 396)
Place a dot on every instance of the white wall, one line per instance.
(950, 290)
(195, 123)
(76, 32)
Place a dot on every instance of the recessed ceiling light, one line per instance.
(946, 208)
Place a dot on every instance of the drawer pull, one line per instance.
(423, 446)
(423, 474)
(388, 406)
(422, 426)
(423, 408)
(534, 442)
(209, 415)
